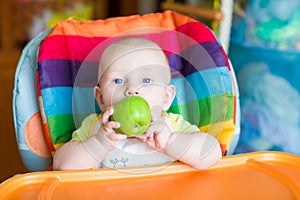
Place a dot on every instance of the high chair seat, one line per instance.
(61, 64)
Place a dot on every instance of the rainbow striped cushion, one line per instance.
(200, 71)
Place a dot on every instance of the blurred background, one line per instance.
(261, 37)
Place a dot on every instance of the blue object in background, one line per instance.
(265, 53)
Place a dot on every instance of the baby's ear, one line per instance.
(169, 97)
(98, 96)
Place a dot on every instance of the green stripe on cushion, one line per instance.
(201, 112)
(196, 112)
(61, 128)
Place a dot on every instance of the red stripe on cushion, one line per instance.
(78, 47)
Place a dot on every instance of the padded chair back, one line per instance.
(61, 67)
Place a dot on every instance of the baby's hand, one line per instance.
(107, 135)
(157, 135)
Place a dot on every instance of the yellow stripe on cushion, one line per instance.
(227, 131)
(56, 146)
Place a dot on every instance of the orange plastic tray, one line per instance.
(264, 175)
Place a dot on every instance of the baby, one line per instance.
(135, 66)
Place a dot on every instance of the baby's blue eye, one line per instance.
(118, 81)
(146, 80)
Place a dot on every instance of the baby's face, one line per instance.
(142, 73)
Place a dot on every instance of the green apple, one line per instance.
(134, 115)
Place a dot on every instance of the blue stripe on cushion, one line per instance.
(68, 100)
(209, 82)
(199, 85)
(57, 100)
(84, 100)
(180, 91)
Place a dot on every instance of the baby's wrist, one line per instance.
(178, 144)
(105, 142)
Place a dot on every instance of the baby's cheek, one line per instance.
(156, 112)
(153, 97)
(112, 99)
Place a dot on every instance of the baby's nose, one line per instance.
(133, 92)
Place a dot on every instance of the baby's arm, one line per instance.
(88, 153)
(199, 150)
(79, 154)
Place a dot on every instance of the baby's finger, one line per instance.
(106, 115)
(150, 136)
(154, 128)
(157, 141)
(150, 142)
(117, 136)
(112, 125)
(143, 136)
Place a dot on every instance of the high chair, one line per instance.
(58, 70)
(54, 92)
